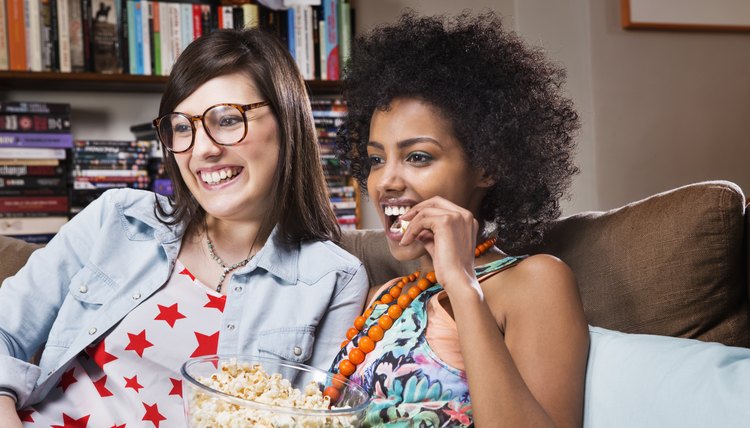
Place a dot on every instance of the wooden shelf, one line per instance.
(97, 82)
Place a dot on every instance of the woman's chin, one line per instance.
(412, 251)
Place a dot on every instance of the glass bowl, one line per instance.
(241, 406)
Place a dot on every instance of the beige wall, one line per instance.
(671, 107)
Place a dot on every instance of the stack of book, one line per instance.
(35, 141)
(160, 182)
(99, 165)
(145, 37)
(329, 113)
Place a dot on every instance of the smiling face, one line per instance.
(415, 156)
(232, 183)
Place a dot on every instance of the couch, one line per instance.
(674, 265)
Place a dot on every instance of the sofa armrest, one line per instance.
(13, 255)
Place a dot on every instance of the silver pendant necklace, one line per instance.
(226, 269)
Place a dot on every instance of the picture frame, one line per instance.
(700, 15)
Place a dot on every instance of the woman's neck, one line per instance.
(233, 240)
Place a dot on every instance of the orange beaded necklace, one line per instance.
(375, 333)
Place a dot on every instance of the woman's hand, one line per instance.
(8, 413)
(448, 233)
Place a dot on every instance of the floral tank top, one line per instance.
(410, 385)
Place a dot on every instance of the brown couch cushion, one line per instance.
(13, 255)
(671, 264)
(370, 247)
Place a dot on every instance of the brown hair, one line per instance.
(301, 207)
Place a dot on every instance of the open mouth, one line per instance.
(220, 176)
(393, 222)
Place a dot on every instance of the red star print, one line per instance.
(207, 345)
(68, 378)
(138, 343)
(152, 414)
(133, 383)
(25, 415)
(69, 422)
(187, 272)
(170, 314)
(176, 387)
(101, 356)
(216, 302)
(101, 388)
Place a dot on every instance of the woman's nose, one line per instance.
(203, 145)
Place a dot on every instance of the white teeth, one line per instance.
(394, 210)
(216, 176)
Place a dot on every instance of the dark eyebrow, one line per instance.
(406, 143)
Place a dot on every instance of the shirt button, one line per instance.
(83, 289)
(92, 331)
(136, 296)
(238, 289)
(297, 351)
(230, 326)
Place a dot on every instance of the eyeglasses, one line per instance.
(225, 124)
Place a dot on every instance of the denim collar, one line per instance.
(140, 223)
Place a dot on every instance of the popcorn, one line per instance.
(250, 382)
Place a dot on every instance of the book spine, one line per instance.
(112, 143)
(159, 36)
(31, 153)
(197, 19)
(322, 64)
(330, 11)
(34, 107)
(75, 32)
(34, 35)
(46, 37)
(291, 37)
(16, 35)
(34, 123)
(186, 25)
(110, 173)
(22, 183)
(41, 204)
(250, 15)
(35, 140)
(54, 34)
(4, 64)
(133, 36)
(173, 10)
(123, 17)
(104, 38)
(146, 30)
(32, 225)
(27, 170)
(345, 31)
(87, 29)
(63, 34)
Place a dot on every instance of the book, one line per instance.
(35, 170)
(40, 140)
(34, 107)
(105, 39)
(48, 43)
(33, 35)
(4, 65)
(330, 15)
(31, 181)
(76, 20)
(14, 11)
(30, 162)
(31, 122)
(87, 23)
(13, 226)
(63, 35)
(40, 204)
(31, 153)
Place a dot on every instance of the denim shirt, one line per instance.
(295, 303)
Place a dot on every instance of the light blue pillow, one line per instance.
(638, 380)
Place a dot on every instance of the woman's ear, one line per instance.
(485, 180)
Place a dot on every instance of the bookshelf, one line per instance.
(98, 82)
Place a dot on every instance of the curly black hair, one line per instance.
(503, 98)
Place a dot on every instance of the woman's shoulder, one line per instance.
(326, 255)
(534, 281)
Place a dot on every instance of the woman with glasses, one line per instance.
(241, 260)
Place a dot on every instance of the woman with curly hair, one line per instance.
(461, 135)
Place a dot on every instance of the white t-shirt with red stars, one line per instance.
(131, 378)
